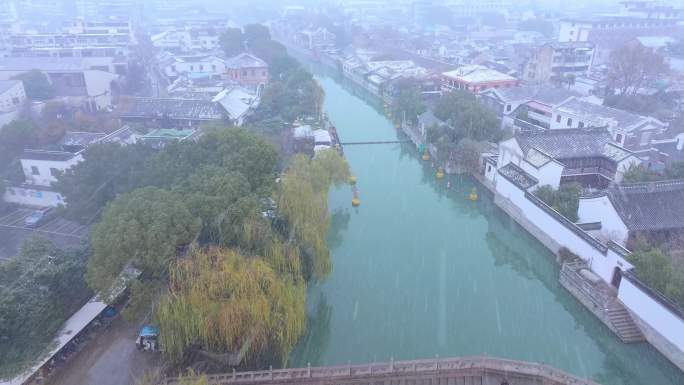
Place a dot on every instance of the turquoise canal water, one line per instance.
(420, 271)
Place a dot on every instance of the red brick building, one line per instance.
(247, 70)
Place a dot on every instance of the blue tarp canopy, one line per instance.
(149, 331)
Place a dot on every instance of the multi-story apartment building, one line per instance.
(559, 62)
(637, 18)
(79, 38)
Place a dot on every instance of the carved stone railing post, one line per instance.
(270, 369)
(308, 369)
(391, 364)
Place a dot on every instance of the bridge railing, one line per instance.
(400, 368)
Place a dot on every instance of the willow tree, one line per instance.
(303, 202)
(221, 303)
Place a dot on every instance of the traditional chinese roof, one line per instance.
(178, 109)
(517, 176)
(478, 74)
(84, 139)
(60, 156)
(651, 205)
(542, 94)
(624, 119)
(573, 143)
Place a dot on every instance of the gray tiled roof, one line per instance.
(572, 143)
(651, 205)
(542, 94)
(623, 118)
(73, 138)
(46, 155)
(180, 109)
(517, 176)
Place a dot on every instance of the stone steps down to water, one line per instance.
(626, 329)
(600, 299)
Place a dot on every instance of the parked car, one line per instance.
(37, 218)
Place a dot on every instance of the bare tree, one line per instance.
(632, 65)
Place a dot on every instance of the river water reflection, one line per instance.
(419, 270)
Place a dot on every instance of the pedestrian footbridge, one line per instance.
(481, 370)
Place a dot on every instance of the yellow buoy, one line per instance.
(440, 173)
(426, 156)
(356, 202)
(473, 194)
(352, 180)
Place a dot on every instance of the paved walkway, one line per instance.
(109, 359)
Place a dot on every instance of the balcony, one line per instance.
(582, 171)
(527, 126)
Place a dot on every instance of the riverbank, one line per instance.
(420, 270)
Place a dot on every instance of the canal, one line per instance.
(419, 271)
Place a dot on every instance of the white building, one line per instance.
(525, 107)
(554, 157)
(238, 102)
(12, 97)
(41, 167)
(628, 129)
(187, 40)
(75, 81)
(642, 208)
(173, 66)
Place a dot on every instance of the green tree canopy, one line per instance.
(256, 32)
(39, 290)
(107, 170)
(468, 117)
(408, 99)
(36, 84)
(223, 302)
(232, 41)
(655, 268)
(565, 200)
(145, 227)
(303, 202)
(14, 137)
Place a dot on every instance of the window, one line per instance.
(34, 170)
(508, 108)
(244, 73)
(618, 138)
(569, 122)
(192, 68)
(558, 119)
(213, 67)
(201, 67)
(580, 125)
(54, 172)
(489, 168)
